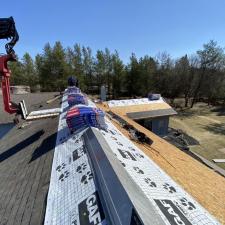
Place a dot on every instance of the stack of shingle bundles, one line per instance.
(81, 116)
(77, 98)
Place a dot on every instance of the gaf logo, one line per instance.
(90, 210)
(126, 155)
(172, 213)
(78, 153)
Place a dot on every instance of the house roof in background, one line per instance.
(151, 114)
(141, 108)
(136, 101)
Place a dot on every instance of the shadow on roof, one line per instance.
(20, 146)
(47, 145)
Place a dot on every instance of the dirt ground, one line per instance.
(207, 125)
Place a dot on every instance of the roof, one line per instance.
(25, 166)
(201, 182)
(141, 108)
(136, 101)
(90, 165)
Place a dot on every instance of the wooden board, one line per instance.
(53, 99)
(206, 186)
(219, 160)
(43, 114)
(39, 117)
(140, 108)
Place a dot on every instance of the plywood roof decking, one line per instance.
(206, 186)
(140, 108)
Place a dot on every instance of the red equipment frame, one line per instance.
(5, 73)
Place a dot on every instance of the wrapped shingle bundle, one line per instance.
(74, 89)
(80, 117)
(77, 98)
(152, 97)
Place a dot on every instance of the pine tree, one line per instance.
(88, 68)
(117, 75)
(29, 73)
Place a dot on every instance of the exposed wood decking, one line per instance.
(25, 168)
(141, 108)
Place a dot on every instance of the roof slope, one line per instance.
(25, 166)
(141, 108)
(81, 178)
(206, 186)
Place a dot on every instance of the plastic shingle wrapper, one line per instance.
(153, 97)
(80, 117)
(73, 89)
(77, 98)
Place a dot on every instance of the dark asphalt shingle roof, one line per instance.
(25, 166)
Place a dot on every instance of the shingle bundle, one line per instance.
(152, 97)
(77, 98)
(73, 89)
(80, 117)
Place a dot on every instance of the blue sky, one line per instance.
(140, 26)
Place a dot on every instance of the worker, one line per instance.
(73, 81)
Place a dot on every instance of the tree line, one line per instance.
(200, 76)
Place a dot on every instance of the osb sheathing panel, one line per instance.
(206, 186)
(140, 108)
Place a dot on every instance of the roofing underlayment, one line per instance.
(128, 102)
(101, 177)
(141, 108)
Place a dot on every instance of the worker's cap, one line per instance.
(72, 81)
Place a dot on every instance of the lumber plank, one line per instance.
(38, 117)
(53, 99)
(45, 112)
(219, 160)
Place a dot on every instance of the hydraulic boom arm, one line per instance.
(8, 30)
